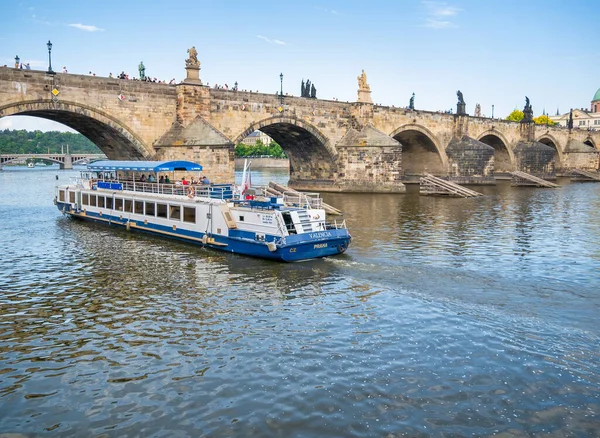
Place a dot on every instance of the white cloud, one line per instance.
(329, 11)
(271, 41)
(440, 14)
(438, 24)
(86, 27)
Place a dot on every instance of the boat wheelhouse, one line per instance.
(142, 195)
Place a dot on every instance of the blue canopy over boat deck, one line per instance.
(143, 166)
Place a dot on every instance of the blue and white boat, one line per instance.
(289, 228)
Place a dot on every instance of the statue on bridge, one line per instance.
(313, 91)
(362, 82)
(527, 112)
(570, 122)
(192, 61)
(411, 104)
(477, 110)
(461, 105)
(142, 70)
(306, 89)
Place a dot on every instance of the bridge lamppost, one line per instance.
(17, 59)
(49, 44)
(281, 90)
(492, 111)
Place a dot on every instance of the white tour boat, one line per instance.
(291, 227)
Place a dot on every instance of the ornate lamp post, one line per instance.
(492, 111)
(49, 44)
(235, 85)
(17, 59)
(281, 90)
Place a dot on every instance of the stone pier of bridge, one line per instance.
(332, 145)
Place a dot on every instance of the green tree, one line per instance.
(515, 116)
(259, 149)
(38, 142)
(543, 120)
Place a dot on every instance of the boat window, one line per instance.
(101, 201)
(175, 212)
(161, 210)
(93, 200)
(109, 203)
(85, 200)
(61, 195)
(119, 204)
(150, 209)
(189, 214)
(241, 219)
(72, 197)
(128, 205)
(139, 207)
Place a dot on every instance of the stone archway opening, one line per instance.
(502, 160)
(309, 159)
(311, 162)
(116, 142)
(420, 155)
(589, 143)
(549, 142)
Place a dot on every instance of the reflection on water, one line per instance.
(445, 317)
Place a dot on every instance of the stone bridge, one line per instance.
(332, 145)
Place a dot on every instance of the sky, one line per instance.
(494, 52)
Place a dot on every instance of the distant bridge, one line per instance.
(66, 161)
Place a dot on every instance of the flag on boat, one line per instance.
(246, 177)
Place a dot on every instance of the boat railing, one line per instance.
(305, 200)
(214, 191)
(281, 226)
(336, 225)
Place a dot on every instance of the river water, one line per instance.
(445, 318)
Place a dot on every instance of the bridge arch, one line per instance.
(282, 127)
(590, 142)
(549, 140)
(113, 138)
(311, 154)
(504, 157)
(422, 151)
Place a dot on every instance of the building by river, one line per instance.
(255, 137)
(582, 118)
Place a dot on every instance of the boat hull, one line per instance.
(292, 248)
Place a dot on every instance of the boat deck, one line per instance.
(214, 191)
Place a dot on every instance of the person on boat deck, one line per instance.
(167, 180)
(184, 182)
(151, 178)
(205, 180)
(143, 178)
(161, 180)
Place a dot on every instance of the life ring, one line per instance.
(191, 192)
